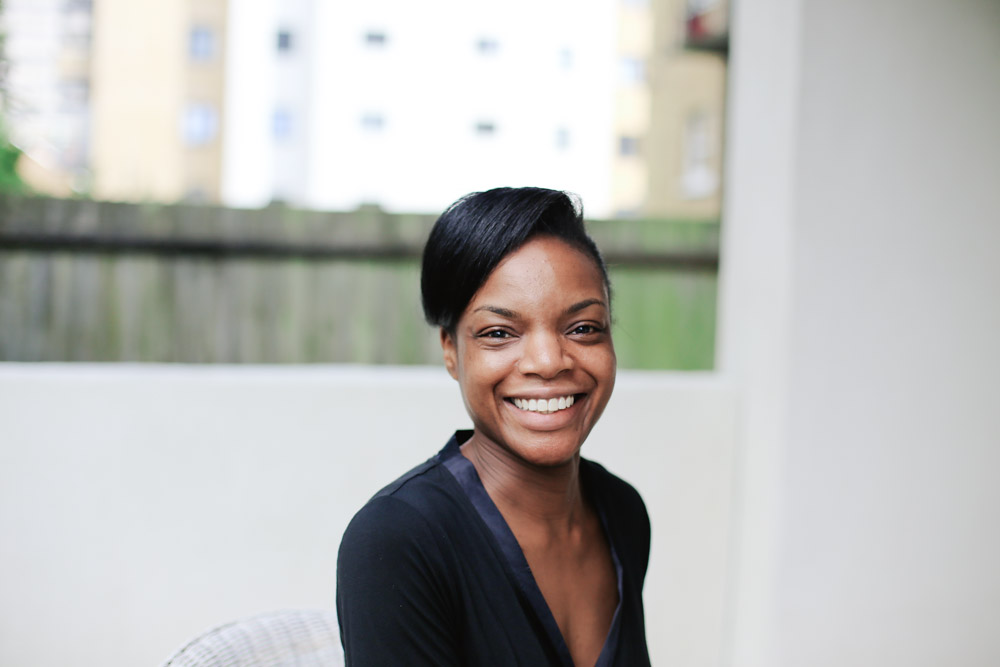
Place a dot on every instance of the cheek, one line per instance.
(603, 367)
(601, 361)
(481, 371)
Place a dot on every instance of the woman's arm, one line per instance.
(393, 599)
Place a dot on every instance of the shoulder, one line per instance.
(624, 510)
(408, 511)
(399, 542)
(394, 574)
(614, 491)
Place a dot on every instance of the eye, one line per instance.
(585, 329)
(496, 334)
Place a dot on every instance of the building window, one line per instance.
(701, 6)
(628, 146)
(200, 124)
(566, 58)
(373, 122)
(486, 128)
(487, 46)
(375, 39)
(196, 195)
(562, 138)
(632, 70)
(201, 44)
(76, 23)
(699, 179)
(73, 95)
(284, 41)
(281, 125)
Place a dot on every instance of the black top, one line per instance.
(429, 573)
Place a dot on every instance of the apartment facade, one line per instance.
(670, 109)
(46, 97)
(331, 105)
(158, 74)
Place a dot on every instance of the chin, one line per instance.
(545, 451)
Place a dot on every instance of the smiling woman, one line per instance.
(506, 547)
(537, 331)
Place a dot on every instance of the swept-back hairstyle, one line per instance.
(479, 230)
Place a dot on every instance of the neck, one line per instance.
(548, 496)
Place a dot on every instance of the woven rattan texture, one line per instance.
(277, 639)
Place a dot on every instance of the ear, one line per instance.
(450, 350)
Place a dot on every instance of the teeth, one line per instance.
(543, 406)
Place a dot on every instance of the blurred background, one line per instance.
(800, 203)
(220, 181)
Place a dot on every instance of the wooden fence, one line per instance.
(101, 281)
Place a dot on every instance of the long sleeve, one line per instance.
(393, 597)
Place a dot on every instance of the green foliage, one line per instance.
(10, 180)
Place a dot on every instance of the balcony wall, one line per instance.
(142, 505)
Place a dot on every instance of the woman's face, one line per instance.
(532, 352)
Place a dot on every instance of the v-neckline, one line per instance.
(468, 479)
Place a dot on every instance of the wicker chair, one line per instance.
(276, 639)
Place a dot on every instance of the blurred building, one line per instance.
(670, 108)
(158, 73)
(331, 105)
(47, 46)
(408, 105)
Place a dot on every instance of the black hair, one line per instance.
(479, 230)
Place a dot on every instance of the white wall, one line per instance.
(142, 505)
(860, 316)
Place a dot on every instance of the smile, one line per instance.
(544, 406)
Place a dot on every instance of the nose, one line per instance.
(544, 355)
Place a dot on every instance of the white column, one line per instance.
(755, 300)
(860, 314)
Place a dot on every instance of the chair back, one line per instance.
(303, 638)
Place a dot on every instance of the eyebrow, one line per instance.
(502, 312)
(512, 315)
(577, 307)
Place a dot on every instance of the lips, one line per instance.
(544, 406)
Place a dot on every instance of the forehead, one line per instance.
(544, 268)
